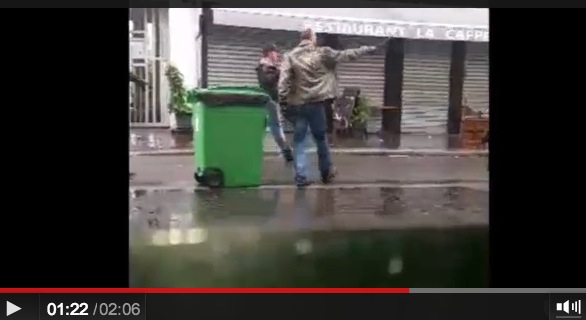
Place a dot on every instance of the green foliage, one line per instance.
(178, 102)
(361, 112)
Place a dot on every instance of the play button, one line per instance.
(22, 306)
(11, 308)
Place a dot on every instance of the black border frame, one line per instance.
(535, 226)
(69, 225)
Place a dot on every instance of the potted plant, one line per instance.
(178, 104)
(360, 116)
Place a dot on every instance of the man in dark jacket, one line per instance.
(267, 73)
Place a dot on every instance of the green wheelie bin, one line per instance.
(228, 132)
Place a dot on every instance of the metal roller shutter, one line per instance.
(234, 53)
(476, 81)
(366, 73)
(426, 82)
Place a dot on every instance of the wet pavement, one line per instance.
(359, 237)
(177, 171)
(163, 139)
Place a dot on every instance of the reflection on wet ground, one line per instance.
(368, 237)
(151, 139)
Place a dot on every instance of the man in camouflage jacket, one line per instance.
(307, 85)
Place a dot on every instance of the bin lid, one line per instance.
(233, 96)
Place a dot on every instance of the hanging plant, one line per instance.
(178, 102)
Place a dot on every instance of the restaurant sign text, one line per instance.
(400, 30)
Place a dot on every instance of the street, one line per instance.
(423, 222)
(177, 171)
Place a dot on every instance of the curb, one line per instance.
(357, 152)
(190, 189)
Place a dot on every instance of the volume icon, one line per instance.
(566, 307)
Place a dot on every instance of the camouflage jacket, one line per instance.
(308, 72)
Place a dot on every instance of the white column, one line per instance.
(164, 46)
(185, 46)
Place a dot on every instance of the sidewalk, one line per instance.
(177, 171)
(355, 151)
(158, 142)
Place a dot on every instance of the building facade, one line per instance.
(149, 46)
(234, 40)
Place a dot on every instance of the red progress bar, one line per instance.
(204, 290)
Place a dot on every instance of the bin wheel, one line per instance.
(214, 178)
(210, 177)
(198, 178)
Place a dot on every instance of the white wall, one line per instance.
(185, 49)
(185, 46)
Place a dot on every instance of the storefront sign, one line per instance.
(400, 31)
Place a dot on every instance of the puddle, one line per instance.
(368, 237)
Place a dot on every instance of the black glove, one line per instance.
(288, 112)
(283, 106)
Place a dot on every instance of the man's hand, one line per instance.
(384, 43)
(282, 105)
(379, 47)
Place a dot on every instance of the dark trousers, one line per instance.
(311, 116)
(290, 115)
(329, 116)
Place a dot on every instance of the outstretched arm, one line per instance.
(336, 56)
(332, 57)
(285, 79)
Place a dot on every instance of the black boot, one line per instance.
(288, 155)
(302, 182)
(329, 176)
